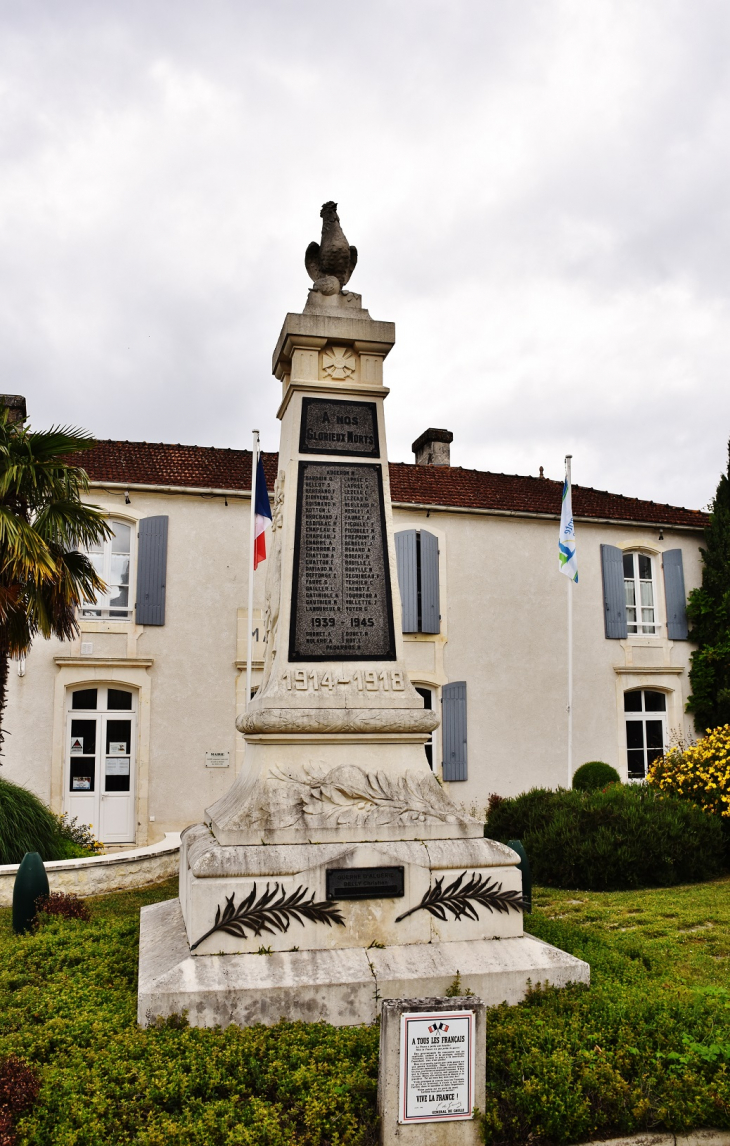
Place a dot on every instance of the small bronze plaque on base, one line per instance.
(365, 883)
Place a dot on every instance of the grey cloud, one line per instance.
(538, 192)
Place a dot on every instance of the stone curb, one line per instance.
(98, 875)
(694, 1138)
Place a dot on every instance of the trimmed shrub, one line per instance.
(26, 825)
(699, 772)
(623, 837)
(65, 905)
(595, 774)
(19, 1087)
(76, 840)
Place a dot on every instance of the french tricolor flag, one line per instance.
(262, 510)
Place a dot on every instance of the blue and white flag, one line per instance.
(566, 542)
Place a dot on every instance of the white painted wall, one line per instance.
(506, 616)
(503, 632)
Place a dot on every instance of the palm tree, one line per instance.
(44, 577)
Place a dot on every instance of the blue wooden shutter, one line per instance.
(675, 595)
(453, 730)
(151, 570)
(430, 609)
(406, 560)
(614, 594)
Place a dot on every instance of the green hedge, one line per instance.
(639, 1050)
(623, 837)
(595, 774)
(646, 1048)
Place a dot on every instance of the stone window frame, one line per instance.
(642, 716)
(643, 628)
(102, 611)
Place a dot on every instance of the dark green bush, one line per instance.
(620, 838)
(26, 825)
(595, 774)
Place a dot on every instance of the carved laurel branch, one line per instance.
(267, 913)
(460, 900)
(348, 794)
(337, 720)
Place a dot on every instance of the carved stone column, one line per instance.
(335, 735)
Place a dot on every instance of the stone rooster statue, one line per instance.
(330, 263)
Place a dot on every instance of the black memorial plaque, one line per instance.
(334, 427)
(341, 599)
(365, 883)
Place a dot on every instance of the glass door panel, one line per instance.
(654, 740)
(82, 753)
(117, 758)
(117, 801)
(635, 748)
(100, 758)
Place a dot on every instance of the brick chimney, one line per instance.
(433, 448)
(16, 407)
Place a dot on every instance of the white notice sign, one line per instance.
(436, 1066)
(118, 766)
(217, 759)
(77, 746)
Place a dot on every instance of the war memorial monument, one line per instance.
(336, 872)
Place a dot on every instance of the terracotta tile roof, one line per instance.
(450, 485)
(152, 463)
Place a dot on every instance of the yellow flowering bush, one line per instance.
(699, 772)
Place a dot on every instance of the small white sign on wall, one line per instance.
(217, 759)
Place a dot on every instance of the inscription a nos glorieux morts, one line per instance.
(330, 426)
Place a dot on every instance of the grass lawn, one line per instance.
(646, 1047)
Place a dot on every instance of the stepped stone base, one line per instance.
(341, 986)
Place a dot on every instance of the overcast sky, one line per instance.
(539, 192)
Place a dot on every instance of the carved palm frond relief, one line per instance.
(269, 913)
(460, 900)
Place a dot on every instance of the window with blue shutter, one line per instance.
(614, 592)
(429, 578)
(417, 559)
(151, 570)
(407, 562)
(453, 730)
(675, 595)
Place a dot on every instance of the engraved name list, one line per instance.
(341, 604)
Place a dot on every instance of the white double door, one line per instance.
(100, 768)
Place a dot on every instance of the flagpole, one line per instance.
(568, 460)
(251, 543)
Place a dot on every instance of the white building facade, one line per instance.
(131, 727)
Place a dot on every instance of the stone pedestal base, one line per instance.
(342, 986)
